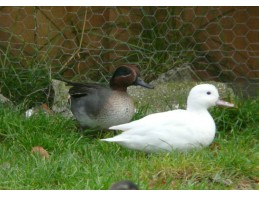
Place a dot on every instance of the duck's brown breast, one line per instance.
(118, 109)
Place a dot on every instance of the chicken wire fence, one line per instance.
(88, 43)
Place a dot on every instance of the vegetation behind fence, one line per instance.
(82, 43)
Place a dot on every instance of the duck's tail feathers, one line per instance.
(71, 83)
(109, 140)
(123, 127)
(117, 127)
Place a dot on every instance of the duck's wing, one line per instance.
(79, 90)
(161, 131)
(82, 89)
(88, 99)
(150, 121)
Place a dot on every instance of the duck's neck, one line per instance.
(119, 88)
(197, 109)
(203, 115)
(194, 107)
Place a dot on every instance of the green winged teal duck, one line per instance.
(99, 107)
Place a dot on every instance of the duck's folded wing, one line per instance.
(152, 120)
(160, 125)
(85, 89)
(166, 134)
(157, 139)
(89, 99)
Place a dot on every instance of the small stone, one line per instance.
(5, 165)
(5, 100)
(35, 110)
(60, 103)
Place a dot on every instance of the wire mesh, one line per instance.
(87, 43)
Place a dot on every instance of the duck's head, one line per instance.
(127, 75)
(204, 96)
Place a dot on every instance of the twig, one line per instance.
(80, 45)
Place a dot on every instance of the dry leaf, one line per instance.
(46, 108)
(41, 151)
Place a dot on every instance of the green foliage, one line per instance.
(29, 86)
(80, 162)
(24, 79)
(244, 115)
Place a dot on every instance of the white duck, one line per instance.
(177, 129)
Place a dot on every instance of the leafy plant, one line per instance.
(24, 82)
(238, 119)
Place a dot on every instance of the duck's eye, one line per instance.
(208, 93)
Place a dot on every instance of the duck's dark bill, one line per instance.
(143, 83)
(224, 103)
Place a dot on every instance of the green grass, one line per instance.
(80, 162)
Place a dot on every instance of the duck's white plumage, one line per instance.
(177, 129)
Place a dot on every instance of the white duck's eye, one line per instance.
(208, 93)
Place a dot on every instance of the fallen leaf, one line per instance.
(41, 151)
(218, 179)
(246, 184)
(46, 108)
